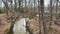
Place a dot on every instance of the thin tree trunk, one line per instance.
(42, 11)
(56, 11)
(19, 4)
(39, 16)
(50, 13)
(15, 4)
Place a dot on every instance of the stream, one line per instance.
(20, 26)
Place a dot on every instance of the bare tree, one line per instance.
(39, 16)
(42, 12)
(12, 15)
(19, 1)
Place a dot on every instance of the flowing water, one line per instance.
(20, 26)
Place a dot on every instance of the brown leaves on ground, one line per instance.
(4, 25)
(33, 25)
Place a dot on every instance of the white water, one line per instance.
(20, 26)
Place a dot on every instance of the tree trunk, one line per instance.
(42, 11)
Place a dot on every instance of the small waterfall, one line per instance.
(20, 26)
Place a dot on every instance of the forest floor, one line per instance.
(4, 25)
